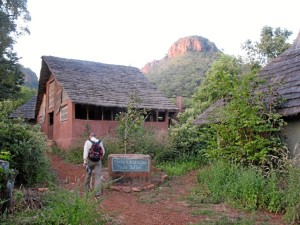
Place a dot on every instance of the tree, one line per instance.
(219, 80)
(131, 123)
(13, 19)
(273, 41)
(249, 130)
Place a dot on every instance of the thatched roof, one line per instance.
(100, 84)
(283, 73)
(26, 111)
(211, 114)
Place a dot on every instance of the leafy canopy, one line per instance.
(273, 41)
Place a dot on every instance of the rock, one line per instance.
(115, 188)
(136, 189)
(126, 189)
(189, 44)
(150, 186)
(42, 189)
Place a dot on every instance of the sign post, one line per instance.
(129, 167)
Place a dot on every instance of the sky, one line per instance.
(135, 32)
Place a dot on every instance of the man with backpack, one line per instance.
(93, 152)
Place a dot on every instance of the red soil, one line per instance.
(165, 205)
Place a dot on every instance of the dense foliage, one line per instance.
(248, 130)
(191, 139)
(26, 145)
(13, 18)
(181, 75)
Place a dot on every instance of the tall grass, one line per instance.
(60, 207)
(292, 196)
(251, 189)
(180, 167)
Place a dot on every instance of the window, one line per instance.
(94, 112)
(64, 96)
(58, 101)
(161, 116)
(51, 118)
(151, 116)
(80, 111)
(51, 94)
(42, 112)
(106, 114)
(64, 113)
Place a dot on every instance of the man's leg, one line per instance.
(97, 171)
(88, 177)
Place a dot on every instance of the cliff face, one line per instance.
(189, 44)
(182, 46)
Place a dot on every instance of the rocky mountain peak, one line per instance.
(190, 44)
(182, 46)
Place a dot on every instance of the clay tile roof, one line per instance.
(284, 73)
(26, 111)
(101, 84)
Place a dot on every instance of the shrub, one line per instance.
(26, 145)
(187, 140)
(248, 131)
(154, 143)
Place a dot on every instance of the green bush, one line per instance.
(248, 132)
(154, 143)
(27, 147)
(187, 140)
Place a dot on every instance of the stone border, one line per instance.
(129, 189)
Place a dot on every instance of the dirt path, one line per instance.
(171, 203)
